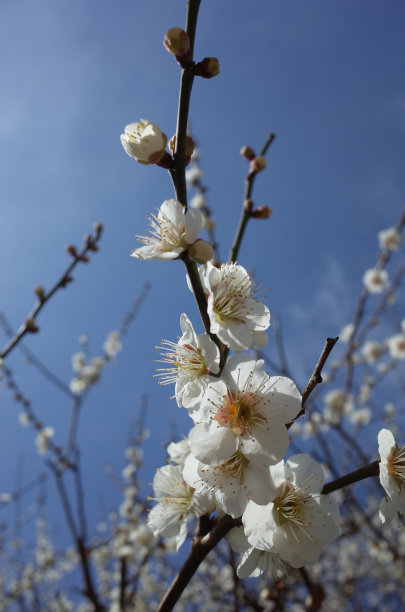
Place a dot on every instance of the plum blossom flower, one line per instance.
(244, 411)
(396, 346)
(300, 522)
(177, 501)
(234, 312)
(338, 405)
(254, 562)
(43, 439)
(191, 360)
(375, 280)
(171, 232)
(144, 141)
(392, 475)
(232, 483)
(371, 351)
(389, 239)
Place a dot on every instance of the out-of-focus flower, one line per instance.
(392, 475)
(190, 360)
(112, 344)
(396, 346)
(300, 522)
(389, 239)
(171, 232)
(144, 141)
(375, 280)
(43, 439)
(338, 405)
(197, 201)
(346, 332)
(371, 351)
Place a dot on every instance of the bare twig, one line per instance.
(78, 256)
(246, 214)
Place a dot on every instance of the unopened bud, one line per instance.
(98, 228)
(72, 250)
(177, 42)
(31, 326)
(189, 146)
(40, 292)
(247, 153)
(257, 164)
(65, 281)
(248, 205)
(209, 224)
(201, 251)
(84, 258)
(262, 212)
(207, 68)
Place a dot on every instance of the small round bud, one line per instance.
(197, 201)
(189, 146)
(257, 164)
(247, 153)
(207, 68)
(262, 212)
(201, 251)
(72, 250)
(98, 228)
(248, 205)
(209, 224)
(40, 292)
(31, 326)
(177, 42)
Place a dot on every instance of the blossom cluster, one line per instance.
(232, 461)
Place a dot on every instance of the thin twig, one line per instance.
(29, 324)
(245, 216)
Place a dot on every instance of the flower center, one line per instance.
(184, 359)
(234, 468)
(396, 464)
(238, 412)
(290, 505)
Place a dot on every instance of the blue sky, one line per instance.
(326, 77)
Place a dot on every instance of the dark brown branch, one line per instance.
(372, 469)
(316, 377)
(200, 548)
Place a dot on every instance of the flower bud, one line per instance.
(201, 251)
(31, 326)
(262, 212)
(257, 164)
(40, 292)
(177, 42)
(189, 146)
(207, 68)
(144, 141)
(247, 153)
(72, 250)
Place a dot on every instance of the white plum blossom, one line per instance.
(232, 483)
(389, 239)
(193, 175)
(371, 351)
(375, 280)
(43, 439)
(254, 562)
(112, 344)
(87, 373)
(235, 315)
(300, 522)
(338, 405)
(178, 451)
(392, 475)
(191, 361)
(396, 346)
(177, 501)
(197, 201)
(144, 141)
(171, 232)
(244, 411)
(346, 332)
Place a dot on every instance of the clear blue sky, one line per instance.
(327, 77)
